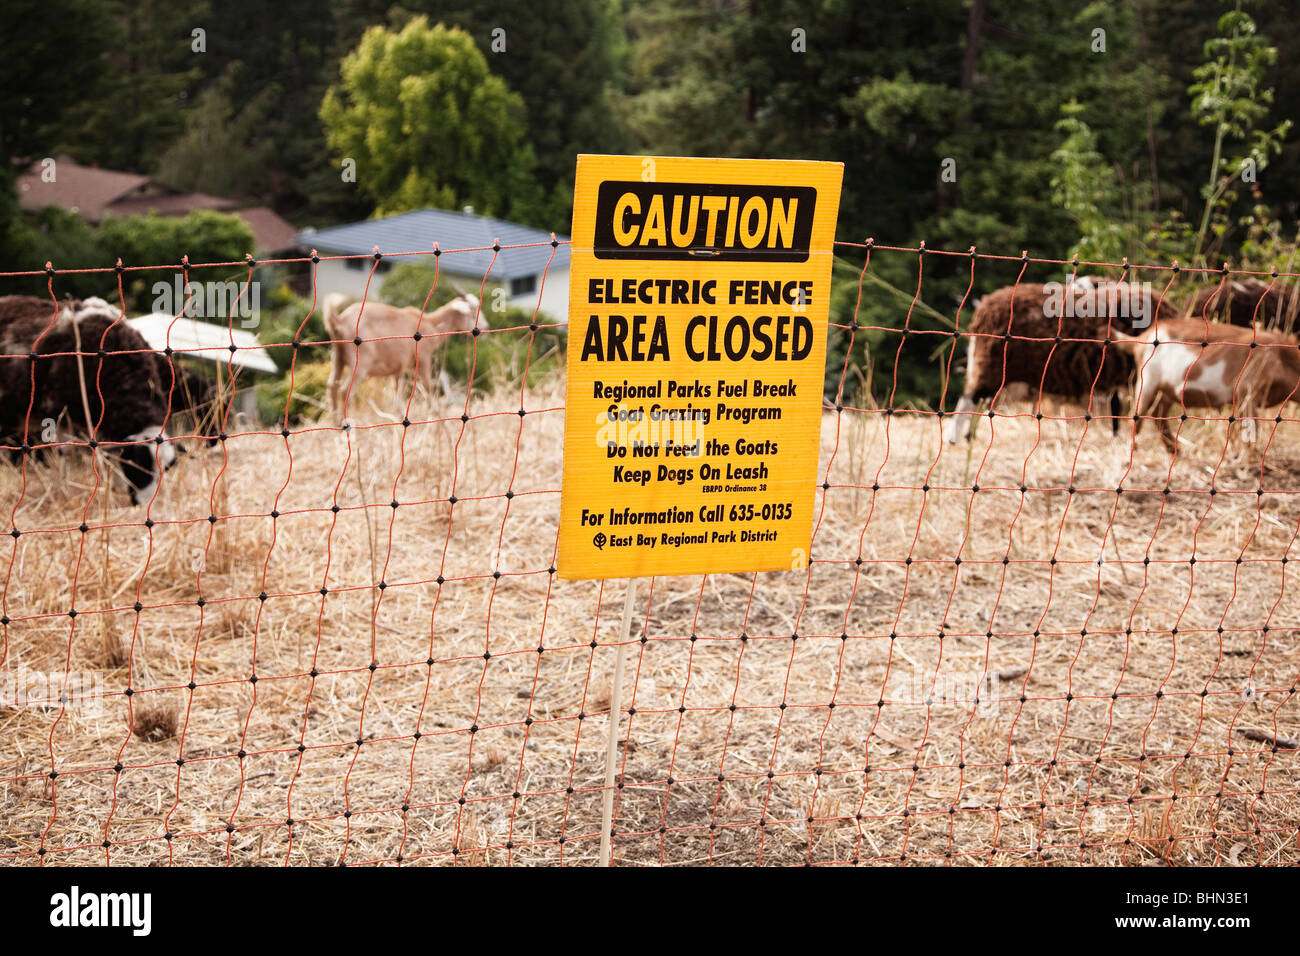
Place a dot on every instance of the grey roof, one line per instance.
(417, 232)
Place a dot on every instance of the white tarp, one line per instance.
(205, 340)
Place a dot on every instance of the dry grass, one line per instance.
(1075, 751)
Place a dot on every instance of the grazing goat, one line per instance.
(1247, 302)
(383, 340)
(45, 355)
(1056, 341)
(1196, 364)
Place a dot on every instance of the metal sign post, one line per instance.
(615, 706)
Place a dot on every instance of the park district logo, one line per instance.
(76, 909)
(704, 222)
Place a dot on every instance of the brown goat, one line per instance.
(1046, 348)
(1199, 364)
(384, 340)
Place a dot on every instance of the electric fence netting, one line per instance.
(323, 641)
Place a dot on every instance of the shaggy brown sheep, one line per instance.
(1247, 302)
(1056, 341)
(40, 381)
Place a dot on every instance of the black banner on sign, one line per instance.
(709, 222)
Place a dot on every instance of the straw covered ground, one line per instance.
(976, 677)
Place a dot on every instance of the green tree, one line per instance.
(1230, 97)
(54, 51)
(61, 237)
(686, 86)
(203, 235)
(223, 150)
(1085, 186)
(135, 105)
(567, 60)
(68, 242)
(427, 124)
(271, 80)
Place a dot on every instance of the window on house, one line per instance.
(363, 264)
(523, 286)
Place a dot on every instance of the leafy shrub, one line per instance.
(282, 317)
(309, 399)
(203, 235)
(499, 357)
(61, 237)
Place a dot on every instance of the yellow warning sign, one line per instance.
(698, 299)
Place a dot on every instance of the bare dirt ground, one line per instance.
(995, 676)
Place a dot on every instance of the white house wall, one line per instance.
(334, 276)
(555, 296)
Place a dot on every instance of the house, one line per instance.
(93, 193)
(519, 271)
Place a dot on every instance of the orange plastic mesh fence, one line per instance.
(342, 641)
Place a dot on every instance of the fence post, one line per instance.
(615, 705)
